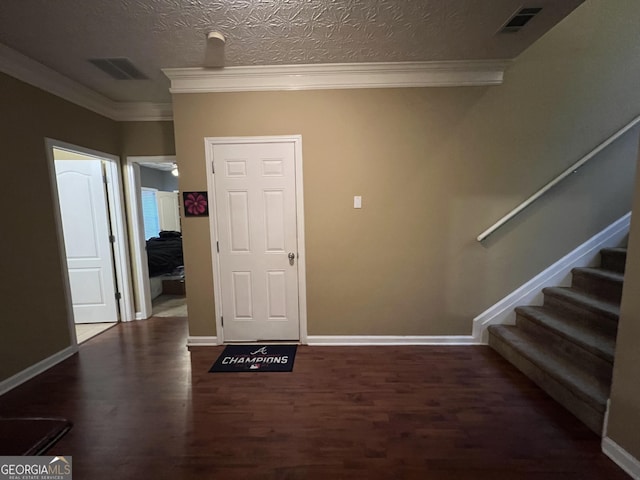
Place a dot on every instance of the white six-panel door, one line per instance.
(255, 198)
(85, 223)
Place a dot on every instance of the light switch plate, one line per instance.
(357, 201)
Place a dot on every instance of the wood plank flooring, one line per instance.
(144, 407)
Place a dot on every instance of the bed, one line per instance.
(164, 254)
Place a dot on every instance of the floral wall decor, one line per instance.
(196, 204)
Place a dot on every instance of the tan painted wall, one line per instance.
(143, 139)
(34, 319)
(147, 138)
(435, 167)
(624, 415)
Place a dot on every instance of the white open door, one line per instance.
(85, 224)
(168, 211)
(255, 202)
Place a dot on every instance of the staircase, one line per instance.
(567, 345)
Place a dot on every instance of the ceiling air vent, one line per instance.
(520, 19)
(119, 68)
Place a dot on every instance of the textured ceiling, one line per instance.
(63, 34)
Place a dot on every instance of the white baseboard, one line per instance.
(202, 341)
(558, 274)
(621, 457)
(36, 369)
(363, 340)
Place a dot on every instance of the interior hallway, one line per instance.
(143, 406)
(169, 306)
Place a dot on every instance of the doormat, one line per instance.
(255, 358)
(30, 436)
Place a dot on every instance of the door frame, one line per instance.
(118, 228)
(209, 143)
(139, 258)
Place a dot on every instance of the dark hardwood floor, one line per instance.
(144, 407)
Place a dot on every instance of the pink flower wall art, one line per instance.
(195, 204)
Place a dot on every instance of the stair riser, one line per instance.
(587, 414)
(597, 286)
(590, 362)
(586, 316)
(613, 260)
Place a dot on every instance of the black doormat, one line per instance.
(256, 358)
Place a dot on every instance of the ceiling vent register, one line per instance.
(119, 68)
(520, 19)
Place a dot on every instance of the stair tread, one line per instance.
(584, 385)
(600, 272)
(597, 342)
(586, 300)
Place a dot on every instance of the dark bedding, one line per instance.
(164, 253)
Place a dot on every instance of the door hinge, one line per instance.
(218, 246)
(118, 295)
(213, 167)
(105, 179)
(222, 321)
(112, 239)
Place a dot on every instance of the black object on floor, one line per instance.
(30, 435)
(256, 358)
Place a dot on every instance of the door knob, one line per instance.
(292, 257)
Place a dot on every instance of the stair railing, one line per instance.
(572, 169)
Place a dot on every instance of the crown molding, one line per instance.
(34, 73)
(142, 111)
(337, 76)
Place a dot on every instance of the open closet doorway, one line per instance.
(157, 248)
(91, 226)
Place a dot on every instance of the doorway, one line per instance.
(156, 228)
(257, 235)
(91, 229)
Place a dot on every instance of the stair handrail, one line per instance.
(571, 170)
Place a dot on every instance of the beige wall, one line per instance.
(624, 415)
(435, 167)
(147, 138)
(34, 318)
(143, 139)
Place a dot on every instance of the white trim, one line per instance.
(213, 233)
(141, 111)
(203, 341)
(36, 369)
(121, 246)
(209, 143)
(558, 274)
(62, 252)
(605, 423)
(621, 457)
(34, 73)
(388, 340)
(116, 208)
(138, 245)
(337, 76)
